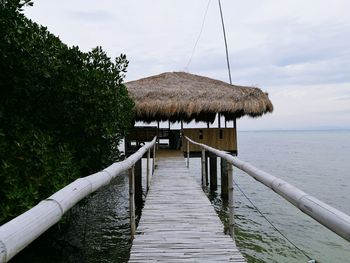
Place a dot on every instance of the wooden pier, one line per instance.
(178, 222)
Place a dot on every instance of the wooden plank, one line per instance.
(178, 222)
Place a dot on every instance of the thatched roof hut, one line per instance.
(179, 96)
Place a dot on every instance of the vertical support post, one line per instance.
(154, 158)
(230, 199)
(132, 201)
(206, 169)
(235, 135)
(213, 167)
(158, 132)
(147, 173)
(188, 154)
(138, 182)
(224, 179)
(219, 120)
(204, 183)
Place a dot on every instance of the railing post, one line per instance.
(147, 173)
(188, 154)
(213, 172)
(206, 169)
(154, 158)
(138, 183)
(132, 201)
(230, 199)
(224, 179)
(204, 178)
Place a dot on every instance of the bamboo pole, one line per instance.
(204, 182)
(188, 154)
(24, 229)
(132, 202)
(148, 173)
(333, 219)
(231, 199)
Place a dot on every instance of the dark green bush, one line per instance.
(62, 111)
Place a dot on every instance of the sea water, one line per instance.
(317, 162)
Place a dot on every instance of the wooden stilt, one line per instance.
(158, 132)
(148, 172)
(230, 199)
(132, 201)
(188, 154)
(224, 179)
(138, 182)
(213, 173)
(154, 158)
(206, 169)
(204, 183)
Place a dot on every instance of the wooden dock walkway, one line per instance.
(178, 222)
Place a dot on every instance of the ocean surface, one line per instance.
(318, 162)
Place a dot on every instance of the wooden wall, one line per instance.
(220, 138)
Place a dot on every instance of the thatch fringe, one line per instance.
(178, 96)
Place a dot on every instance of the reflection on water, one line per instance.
(95, 230)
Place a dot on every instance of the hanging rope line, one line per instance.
(199, 36)
(225, 40)
(272, 225)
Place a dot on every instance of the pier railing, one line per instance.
(24, 229)
(333, 219)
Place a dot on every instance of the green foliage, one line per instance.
(62, 111)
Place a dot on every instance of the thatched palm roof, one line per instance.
(182, 96)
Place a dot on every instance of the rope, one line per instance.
(273, 226)
(199, 35)
(225, 40)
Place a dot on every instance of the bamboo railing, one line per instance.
(24, 229)
(333, 219)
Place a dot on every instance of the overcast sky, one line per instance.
(298, 51)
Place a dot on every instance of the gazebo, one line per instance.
(184, 97)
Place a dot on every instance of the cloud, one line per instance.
(92, 16)
(298, 51)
